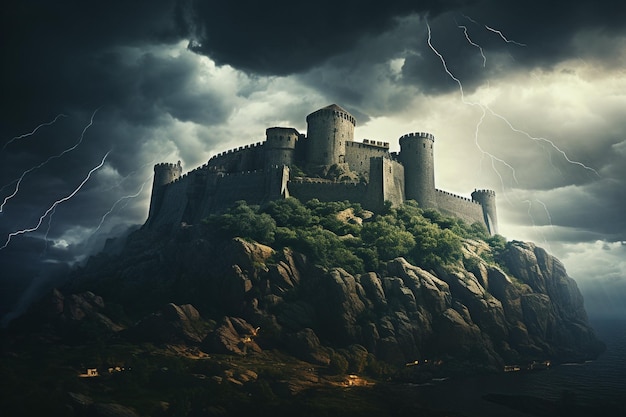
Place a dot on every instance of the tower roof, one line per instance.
(332, 108)
(335, 107)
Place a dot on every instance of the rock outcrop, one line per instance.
(471, 311)
(172, 324)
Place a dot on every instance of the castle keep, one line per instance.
(326, 164)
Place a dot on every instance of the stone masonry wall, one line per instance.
(173, 203)
(329, 191)
(464, 208)
(242, 159)
(223, 190)
(358, 155)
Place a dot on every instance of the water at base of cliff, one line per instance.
(567, 390)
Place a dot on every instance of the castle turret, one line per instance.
(328, 130)
(416, 154)
(163, 174)
(487, 199)
(280, 146)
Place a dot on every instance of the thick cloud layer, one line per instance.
(283, 37)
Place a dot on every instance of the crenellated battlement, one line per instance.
(260, 172)
(334, 111)
(166, 165)
(376, 143)
(235, 150)
(489, 193)
(415, 135)
(460, 197)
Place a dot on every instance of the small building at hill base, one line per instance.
(326, 164)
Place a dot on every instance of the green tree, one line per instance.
(290, 212)
(244, 221)
(389, 239)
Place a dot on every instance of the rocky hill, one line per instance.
(203, 290)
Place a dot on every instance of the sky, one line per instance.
(525, 98)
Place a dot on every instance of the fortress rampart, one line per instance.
(262, 172)
(454, 205)
(329, 191)
(243, 158)
(358, 155)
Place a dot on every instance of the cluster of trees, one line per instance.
(424, 237)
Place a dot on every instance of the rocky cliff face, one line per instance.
(473, 312)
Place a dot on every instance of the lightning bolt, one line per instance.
(492, 157)
(472, 42)
(485, 107)
(544, 140)
(473, 104)
(127, 197)
(45, 248)
(499, 32)
(18, 181)
(503, 37)
(532, 220)
(545, 207)
(33, 132)
(130, 174)
(530, 215)
(55, 204)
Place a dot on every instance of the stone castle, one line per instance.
(325, 163)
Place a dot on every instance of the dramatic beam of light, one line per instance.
(480, 48)
(25, 135)
(55, 204)
(124, 198)
(18, 181)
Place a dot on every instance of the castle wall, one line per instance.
(324, 190)
(173, 203)
(224, 189)
(464, 208)
(358, 155)
(164, 174)
(386, 183)
(242, 159)
(261, 172)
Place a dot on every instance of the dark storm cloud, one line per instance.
(48, 48)
(284, 37)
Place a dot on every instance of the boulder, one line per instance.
(172, 324)
(232, 335)
(305, 345)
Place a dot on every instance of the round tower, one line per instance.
(280, 146)
(164, 174)
(487, 199)
(328, 130)
(416, 154)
